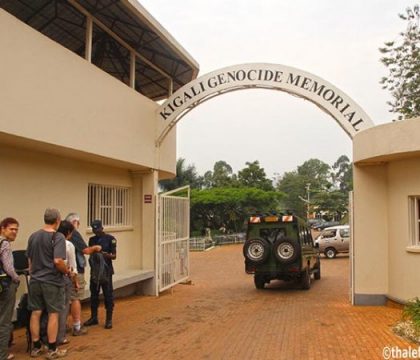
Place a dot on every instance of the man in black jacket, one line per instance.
(101, 273)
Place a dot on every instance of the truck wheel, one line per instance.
(259, 281)
(306, 279)
(256, 250)
(317, 273)
(330, 253)
(285, 250)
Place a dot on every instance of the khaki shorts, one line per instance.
(78, 294)
(45, 296)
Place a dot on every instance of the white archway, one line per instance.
(326, 96)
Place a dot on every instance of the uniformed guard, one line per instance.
(101, 273)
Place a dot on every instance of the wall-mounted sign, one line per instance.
(148, 199)
(332, 100)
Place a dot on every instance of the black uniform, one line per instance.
(109, 245)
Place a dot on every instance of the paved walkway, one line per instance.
(222, 316)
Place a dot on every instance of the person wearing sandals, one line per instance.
(46, 254)
(66, 228)
(8, 232)
(78, 293)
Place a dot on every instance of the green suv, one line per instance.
(280, 247)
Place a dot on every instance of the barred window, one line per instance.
(111, 204)
(414, 203)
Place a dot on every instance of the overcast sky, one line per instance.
(333, 39)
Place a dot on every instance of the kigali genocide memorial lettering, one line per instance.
(335, 102)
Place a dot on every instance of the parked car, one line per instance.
(334, 240)
(280, 247)
(325, 224)
(313, 223)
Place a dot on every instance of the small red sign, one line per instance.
(148, 199)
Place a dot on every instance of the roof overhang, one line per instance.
(122, 30)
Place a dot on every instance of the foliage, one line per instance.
(402, 58)
(185, 175)
(229, 207)
(328, 188)
(221, 176)
(254, 176)
(295, 184)
(412, 312)
(342, 174)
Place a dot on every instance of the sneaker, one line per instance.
(35, 352)
(56, 354)
(80, 332)
(65, 342)
(91, 321)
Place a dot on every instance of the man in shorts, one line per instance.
(77, 294)
(46, 254)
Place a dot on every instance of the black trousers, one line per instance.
(7, 303)
(107, 291)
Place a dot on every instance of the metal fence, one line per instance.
(201, 243)
(204, 243)
(229, 239)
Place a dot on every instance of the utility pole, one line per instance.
(307, 200)
(308, 186)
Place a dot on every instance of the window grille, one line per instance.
(414, 205)
(111, 204)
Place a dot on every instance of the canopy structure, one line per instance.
(119, 36)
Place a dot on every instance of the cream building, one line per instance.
(80, 81)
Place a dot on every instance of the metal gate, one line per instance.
(173, 237)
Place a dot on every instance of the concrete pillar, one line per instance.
(149, 198)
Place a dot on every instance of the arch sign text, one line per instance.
(335, 102)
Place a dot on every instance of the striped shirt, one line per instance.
(6, 259)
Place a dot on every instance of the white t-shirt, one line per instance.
(71, 256)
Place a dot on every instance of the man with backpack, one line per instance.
(46, 255)
(101, 273)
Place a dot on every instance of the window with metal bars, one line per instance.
(414, 206)
(111, 204)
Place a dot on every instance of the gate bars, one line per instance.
(173, 237)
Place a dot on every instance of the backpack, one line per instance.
(99, 269)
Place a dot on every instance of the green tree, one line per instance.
(402, 58)
(314, 175)
(343, 174)
(229, 207)
(221, 176)
(185, 175)
(253, 175)
(293, 185)
(317, 173)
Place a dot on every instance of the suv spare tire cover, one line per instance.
(286, 250)
(256, 250)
